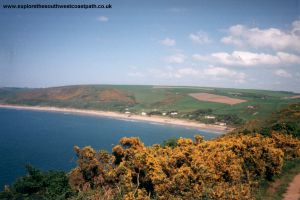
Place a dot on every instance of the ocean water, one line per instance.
(46, 139)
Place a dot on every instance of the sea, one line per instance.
(46, 139)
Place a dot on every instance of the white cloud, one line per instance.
(274, 38)
(219, 73)
(282, 73)
(167, 72)
(200, 37)
(171, 72)
(186, 72)
(200, 57)
(232, 40)
(245, 58)
(102, 19)
(168, 42)
(296, 28)
(222, 72)
(288, 58)
(175, 59)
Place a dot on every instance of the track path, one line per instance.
(293, 190)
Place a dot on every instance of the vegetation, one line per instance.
(171, 142)
(233, 166)
(202, 114)
(155, 100)
(39, 185)
(275, 189)
(286, 121)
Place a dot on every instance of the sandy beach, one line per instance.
(133, 117)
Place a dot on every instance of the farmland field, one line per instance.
(192, 103)
(216, 98)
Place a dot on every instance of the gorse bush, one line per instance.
(229, 167)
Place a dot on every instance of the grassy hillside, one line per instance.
(155, 100)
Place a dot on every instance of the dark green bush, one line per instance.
(39, 185)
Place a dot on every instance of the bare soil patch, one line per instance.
(294, 97)
(216, 98)
(293, 191)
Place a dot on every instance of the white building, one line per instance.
(209, 117)
(221, 123)
(173, 113)
(143, 113)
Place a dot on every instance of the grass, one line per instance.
(148, 98)
(187, 104)
(274, 190)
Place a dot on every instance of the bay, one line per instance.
(46, 139)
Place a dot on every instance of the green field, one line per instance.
(155, 100)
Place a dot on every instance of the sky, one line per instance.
(229, 43)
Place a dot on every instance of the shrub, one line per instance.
(228, 167)
(39, 185)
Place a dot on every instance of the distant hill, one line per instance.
(209, 105)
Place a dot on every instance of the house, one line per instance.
(164, 114)
(127, 112)
(235, 93)
(250, 107)
(143, 113)
(173, 113)
(209, 117)
(221, 123)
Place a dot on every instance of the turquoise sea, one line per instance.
(46, 139)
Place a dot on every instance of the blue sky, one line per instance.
(230, 43)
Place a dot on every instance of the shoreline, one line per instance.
(132, 117)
